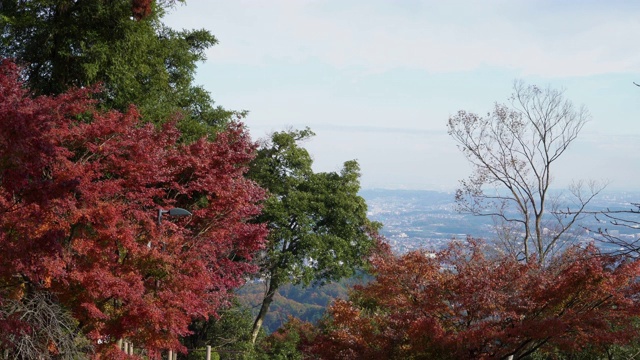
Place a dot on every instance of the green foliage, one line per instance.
(201, 354)
(228, 333)
(318, 228)
(140, 61)
(319, 231)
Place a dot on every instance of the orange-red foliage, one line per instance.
(460, 303)
(141, 8)
(80, 191)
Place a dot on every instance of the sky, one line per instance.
(378, 80)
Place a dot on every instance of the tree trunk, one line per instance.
(266, 302)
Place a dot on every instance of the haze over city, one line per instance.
(378, 80)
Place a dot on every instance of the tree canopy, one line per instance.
(318, 228)
(80, 190)
(461, 303)
(121, 45)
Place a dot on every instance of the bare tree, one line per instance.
(513, 150)
(620, 218)
(42, 329)
(612, 221)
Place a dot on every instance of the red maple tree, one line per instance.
(460, 303)
(80, 191)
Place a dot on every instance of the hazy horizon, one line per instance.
(378, 80)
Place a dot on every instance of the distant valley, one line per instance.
(412, 220)
(416, 219)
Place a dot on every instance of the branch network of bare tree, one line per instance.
(513, 151)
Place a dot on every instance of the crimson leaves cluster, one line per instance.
(460, 303)
(80, 191)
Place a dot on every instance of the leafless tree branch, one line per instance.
(513, 150)
(47, 330)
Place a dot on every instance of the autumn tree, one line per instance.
(611, 221)
(120, 44)
(80, 191)
(286, 341)
(460, 303)
(514, 151)
(318, 228)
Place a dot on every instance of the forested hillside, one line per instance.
(307, 304)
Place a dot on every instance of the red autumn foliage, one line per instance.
(460, 303)
(141, 8)
(283, 342)
(80, 191)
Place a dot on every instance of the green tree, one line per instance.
(120, 44)
(226, 334)
(318, 226)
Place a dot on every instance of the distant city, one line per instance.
(415, 219)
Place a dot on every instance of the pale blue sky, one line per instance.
(377, 80)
